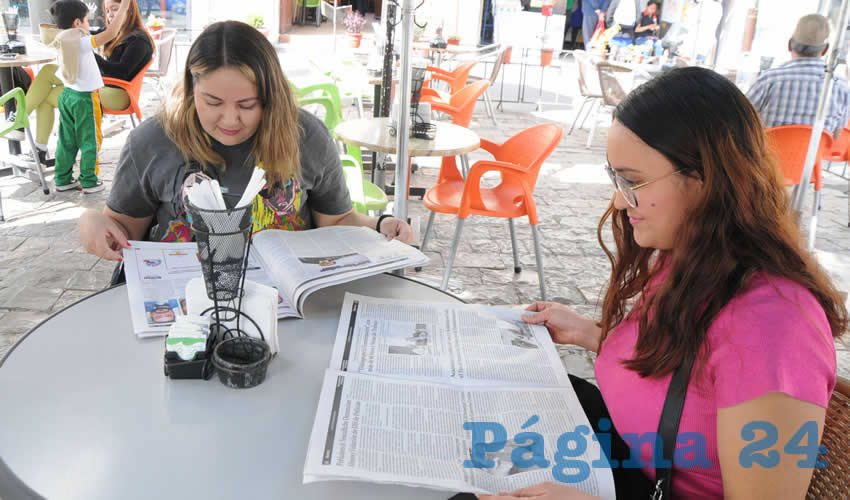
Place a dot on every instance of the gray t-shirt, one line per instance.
(151, 170)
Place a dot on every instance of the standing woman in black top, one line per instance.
(125, 55)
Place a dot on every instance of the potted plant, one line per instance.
(354, 22)
(257, 21)
(453, 40)
(546, 56)
(546, 52)
(155, 23)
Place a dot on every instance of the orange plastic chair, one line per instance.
(790, 143)
(518, 160)
(133, 89)
(840, 150)
(460, 108)
(456, 79)
(462, 104)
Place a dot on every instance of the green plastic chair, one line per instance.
(366, 196)
(312, 4)
(22, 122)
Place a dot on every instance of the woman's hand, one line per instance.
(113, 28)
(391, 227)
(394, 228)
(102, 235)
(545, 491)
(565, 325)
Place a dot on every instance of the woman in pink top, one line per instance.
(707, 250)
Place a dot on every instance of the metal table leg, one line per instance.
(376, 112)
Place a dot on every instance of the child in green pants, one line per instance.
(79, 105)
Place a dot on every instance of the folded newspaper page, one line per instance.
(302, 262)
(454, 343)
(422, 433)
(295, 263)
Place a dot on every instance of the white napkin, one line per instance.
(259, 302)
(206, 195)
(255, 185)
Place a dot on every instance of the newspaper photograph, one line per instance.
(411, 432)
(454, 343)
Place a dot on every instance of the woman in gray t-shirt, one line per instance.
(236, 110)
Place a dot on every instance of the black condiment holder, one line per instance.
(224, 244)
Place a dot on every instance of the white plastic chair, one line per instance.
(588, 85)
(613, 91)
(494, 74)
(164, 49)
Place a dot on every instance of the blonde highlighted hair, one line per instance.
(132, 22)
(232, 44)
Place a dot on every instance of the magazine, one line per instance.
(408, 380)
(296, 263)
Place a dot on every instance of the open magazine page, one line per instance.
(157, 274)
(315, 286)
(156, 283)
(412, 432)
(301, 260)
(456, 343)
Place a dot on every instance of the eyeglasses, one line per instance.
(627, 188)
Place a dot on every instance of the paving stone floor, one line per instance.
(43, 267)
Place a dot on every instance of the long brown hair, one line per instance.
(132, 22)
(739, 224)
(232, 44)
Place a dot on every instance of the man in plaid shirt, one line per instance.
(789, 94)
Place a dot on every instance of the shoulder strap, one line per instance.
(668, 427)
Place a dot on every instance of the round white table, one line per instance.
(87, 412)
(374, 134)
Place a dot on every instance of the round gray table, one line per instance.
(87, 412)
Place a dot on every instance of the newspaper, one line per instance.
(449, 342)
(411, 432)
(302, 262)
(295, 263)
(406, 381)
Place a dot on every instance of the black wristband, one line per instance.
(381, 219)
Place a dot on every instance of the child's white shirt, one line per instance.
(88, 73)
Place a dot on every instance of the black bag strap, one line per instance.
(668, 427)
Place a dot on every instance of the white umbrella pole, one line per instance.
(402, 172)
(820, 118)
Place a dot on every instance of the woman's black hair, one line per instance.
(678, 109)
(64, 12)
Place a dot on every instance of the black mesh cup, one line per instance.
(222, 237)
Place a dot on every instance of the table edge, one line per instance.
(16, 485)
(14, 63)
(109, 288)
(413, 152)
